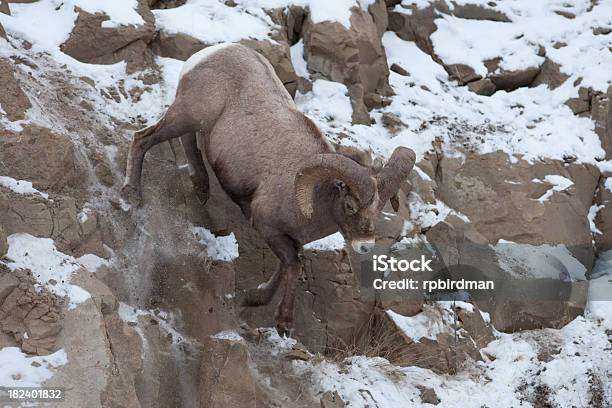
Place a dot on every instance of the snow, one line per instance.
(335, 109)
(47, 264)
(421, 325)
(427, 215)
(228, 335)
(92, 262)
(218, 248)
(16, 369)
(608, 184)
(510, 364)
(298, 61)
(333, 242)
(215, 21)
(559, 183)
(593, 210)
(469, 42)
(20, 186)
(538, 261)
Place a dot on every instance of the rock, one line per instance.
(510, 80)
(417, 24)
(550, 74)
(279, 55)
(331, 400)
(511, 211)
(428, 395)
(12, 98)
(42, 218)
(462, 73)
(360, 115)
(3, 242)
(2, 32)
(165, 4)
(482, 87)
(578, 105)
(601, 113)
(443, 349)
(93, 43)
(29, 315)
(350, 56)
(46, 159)
(478, 12)
(4, 8)
(27, 214)
(398, 69)
(392, 122)
(225, 378)
(179, 46)
(603, 220)
(378, 10)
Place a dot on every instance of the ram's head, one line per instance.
(361, 191)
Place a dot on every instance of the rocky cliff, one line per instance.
(507, 105)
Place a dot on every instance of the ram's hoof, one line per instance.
(131, 195)
(284, 328)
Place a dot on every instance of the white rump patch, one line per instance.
(201, 55)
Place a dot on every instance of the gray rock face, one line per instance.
(353, 56)
(90, 42)
(13, 100)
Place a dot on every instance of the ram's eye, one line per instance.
(350, 208)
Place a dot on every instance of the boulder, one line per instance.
(178, 46)
(46, 159)
(226, 380)
(509, 205)
(500, 198)
(30, 316)
(417, 24)
(510, 80)
(478, 12)
(428, 395)
(601, 113)
(4, 8)
(462, 73)
(91, 42)
(483, 87)
(550, 74)
(12, 98)
(331, 400)
(37, 216)
(351, 56)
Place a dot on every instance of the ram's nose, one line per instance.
(363, 246)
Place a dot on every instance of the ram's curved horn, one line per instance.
(392, 174)
(327, 166)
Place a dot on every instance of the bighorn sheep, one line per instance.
(271, 160)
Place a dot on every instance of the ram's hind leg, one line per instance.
(168, 127)
(197, 168)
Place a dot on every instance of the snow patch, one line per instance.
(20, 186)
(333, 242)
(218, 248)
(17, 369)
(50, 268)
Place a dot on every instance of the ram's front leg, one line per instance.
(284, 314)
